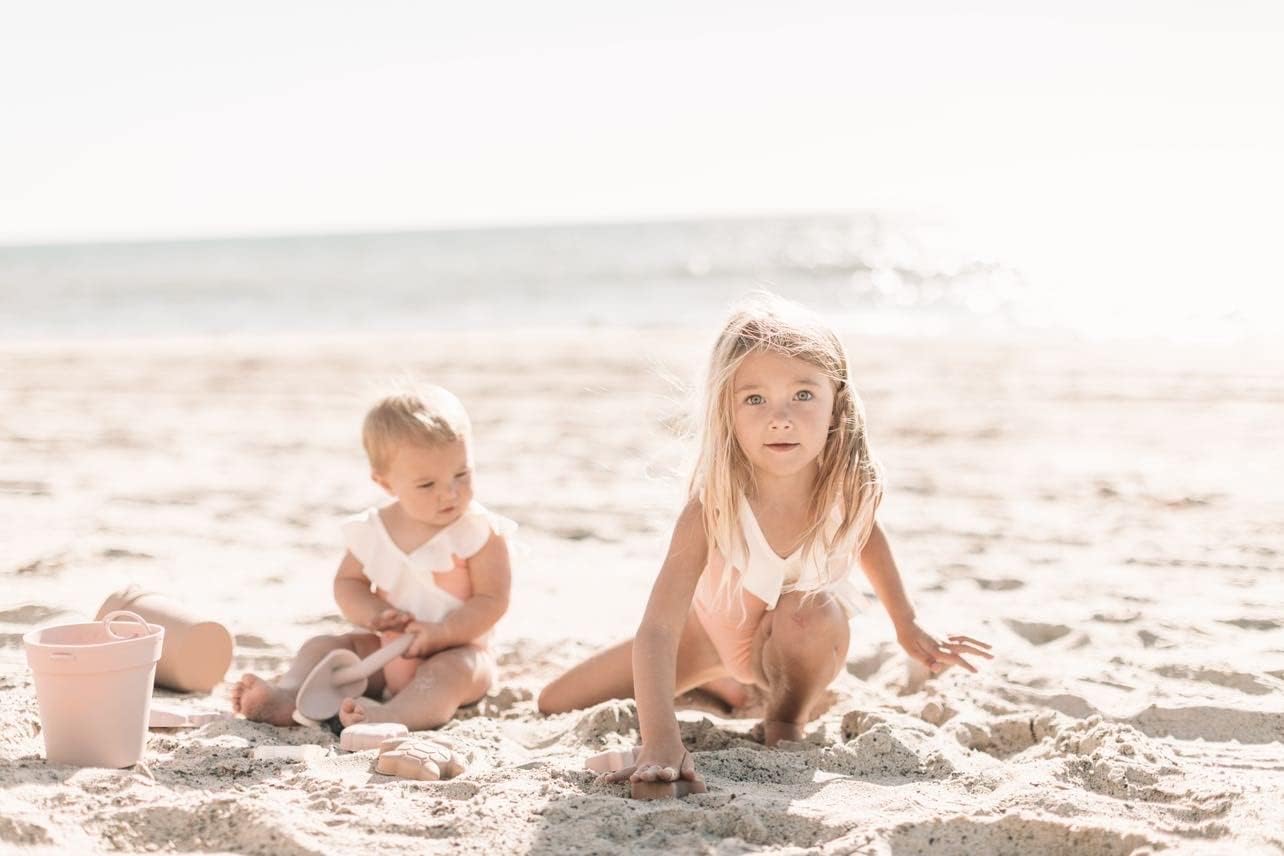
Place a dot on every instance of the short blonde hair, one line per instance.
(425, 415)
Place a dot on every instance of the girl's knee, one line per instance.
(808, 620)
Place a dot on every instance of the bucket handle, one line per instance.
(124, 615)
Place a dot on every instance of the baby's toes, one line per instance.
(351, 712)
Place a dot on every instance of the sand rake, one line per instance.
(342, 674)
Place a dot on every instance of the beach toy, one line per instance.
(292, 754)
(419, 758)
(341, 674)
(94, 688)
(667, 790)
(169, 715)
(612, 760)
(197, 653)
(370, 735)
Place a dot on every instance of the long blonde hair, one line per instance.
(849, 477)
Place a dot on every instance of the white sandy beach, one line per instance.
(1109, 517)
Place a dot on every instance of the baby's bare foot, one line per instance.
(774, 731)
(354, 710)
(257, 700)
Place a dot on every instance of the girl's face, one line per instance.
(781, 411)
(433, 484)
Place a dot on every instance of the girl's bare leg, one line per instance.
(273, 703)
(609, 674)
(800, 648)
(441, 684)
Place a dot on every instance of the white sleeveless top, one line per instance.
(766, 575)
(407, 578)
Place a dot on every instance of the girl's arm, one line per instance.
(358, 603)
(879, 566)
(491, 577)
(655, 648)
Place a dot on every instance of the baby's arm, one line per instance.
(358, 603)
(491, 578)
(655, 653)
(879, 566)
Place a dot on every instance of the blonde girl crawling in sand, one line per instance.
(754, 587)
(433, 562)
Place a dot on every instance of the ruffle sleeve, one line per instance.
(463, 539)
(360, 534)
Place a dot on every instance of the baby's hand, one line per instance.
(924, 648)
(426, 642)
(391, 619)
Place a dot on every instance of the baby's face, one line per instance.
(434, 484)
(781, 410)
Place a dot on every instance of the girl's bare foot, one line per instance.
(354, 710)
(774, 731)
(257, 700)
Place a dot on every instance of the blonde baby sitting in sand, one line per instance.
(755, 585)
(433, 563)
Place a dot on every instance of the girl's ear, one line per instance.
(381, 481)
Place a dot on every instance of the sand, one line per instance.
(1107, 515)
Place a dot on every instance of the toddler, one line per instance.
(432, 563)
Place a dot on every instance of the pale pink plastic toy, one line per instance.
(197, 653)
(342, 675)
(423, 758)
(94, 688)
(370, 735)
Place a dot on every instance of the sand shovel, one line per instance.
(343, 675)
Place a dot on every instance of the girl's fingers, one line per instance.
(619, 775)
(969, 640)
(960, 648)
(957, 660)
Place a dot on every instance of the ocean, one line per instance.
(876, 271)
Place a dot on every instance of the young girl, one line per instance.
(433, 563)
(782, 504)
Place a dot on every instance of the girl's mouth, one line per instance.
(782, 447)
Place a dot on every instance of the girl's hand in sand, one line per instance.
(390, 619)
(923, 647)
(660, 766)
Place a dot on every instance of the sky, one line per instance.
(1153, 127)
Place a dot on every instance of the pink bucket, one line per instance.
(94, 688)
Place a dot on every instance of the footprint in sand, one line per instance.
(1253, 623)
(1037, 633)
(32, 613)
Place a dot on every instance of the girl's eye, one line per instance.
(755, 399)
(804, 395)
(427, 485)
(465, 474)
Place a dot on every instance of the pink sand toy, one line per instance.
(197, 653)
(94, 688)
(340, 675)
(370, 735)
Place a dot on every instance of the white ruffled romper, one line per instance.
(760, 577)
(431, 581)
